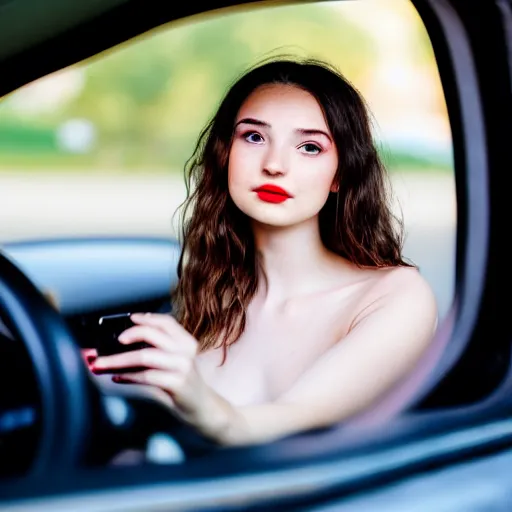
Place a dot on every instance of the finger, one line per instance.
(148, 334)
(147, 357)
(86, 352)
(155, 337)
(160, 379)
(165, 322)
(89, 354)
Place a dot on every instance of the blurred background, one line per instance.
(99, 148)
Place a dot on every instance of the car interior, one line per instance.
(56, 419)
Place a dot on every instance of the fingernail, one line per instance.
(122, 338)
(95, 369)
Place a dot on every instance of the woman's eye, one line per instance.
(310, 149)
(253, 137)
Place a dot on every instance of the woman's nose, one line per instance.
(275, 163)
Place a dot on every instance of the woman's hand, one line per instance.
(169, 364)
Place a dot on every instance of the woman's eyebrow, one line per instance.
(304, 131)
(250, 120)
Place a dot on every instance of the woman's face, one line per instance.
(281, 140)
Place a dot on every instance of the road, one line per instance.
(33, 205)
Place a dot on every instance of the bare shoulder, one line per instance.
(401, 294)
(403, 280)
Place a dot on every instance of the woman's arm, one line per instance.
(380, 349)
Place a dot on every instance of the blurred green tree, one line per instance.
(150, 97)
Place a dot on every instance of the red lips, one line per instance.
(272, 193)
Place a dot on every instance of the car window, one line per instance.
(99, 148)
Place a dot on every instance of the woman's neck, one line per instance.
(294, 260)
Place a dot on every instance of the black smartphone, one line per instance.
(109, 329)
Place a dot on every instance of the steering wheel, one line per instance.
(78, 422)
(63, 385)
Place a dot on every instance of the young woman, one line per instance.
(294, 307)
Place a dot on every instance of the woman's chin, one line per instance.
(274, 221)
(274, 215)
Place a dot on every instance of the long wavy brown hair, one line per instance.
(219, 267)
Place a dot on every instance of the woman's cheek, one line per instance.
(315, 192)
(238, 160)
(243, 169)
(238, 185)
(319, 180)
